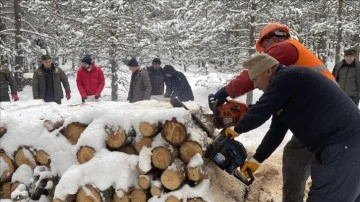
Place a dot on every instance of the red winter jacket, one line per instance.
(90, 82)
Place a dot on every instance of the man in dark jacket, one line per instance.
(347, 74)
(90, 79)
(140, 86)
(6, 80)
(156, 75)
(177, 85)
(318, 113)
(46, 83)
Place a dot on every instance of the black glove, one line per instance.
(221, 94)
(97, 96)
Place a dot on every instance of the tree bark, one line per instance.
(19, 58)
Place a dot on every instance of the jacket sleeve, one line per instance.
(35, 85)
(146, 84)
(10, 78)
(284, 52)
(239, 85)
(64, 81)
(80, 85)
(101, 85)
(169, 88)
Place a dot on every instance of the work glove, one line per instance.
(221, 94)
(68, 96)
(97, 96)
(14, 97)
(251, 165)
(230, 133)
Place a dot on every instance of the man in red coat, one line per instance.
(90, 79)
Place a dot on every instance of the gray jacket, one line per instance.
(140, 86)
(345, 86)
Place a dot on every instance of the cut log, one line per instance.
(138, 195)
(144, 182)
(174, 132)
(88, 194)
(156, 188)
(84, 154)
(161, 157)
(172, 198)
(69, 198)
(147, 129)
(197, 199)
(73, 132)
(173, 176)
(128, 150)
(141, 172)
(7, 167)
(42, 157)
(195, 173)
(25, 156)
(6, 190)
(144, 141)
(2, 131)
(121, 196)
(14, 185)
(51, 126)
(115, 139)
(189, 149)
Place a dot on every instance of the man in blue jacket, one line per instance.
(318, 113)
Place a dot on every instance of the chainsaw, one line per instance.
(226, 111)
(226, 153)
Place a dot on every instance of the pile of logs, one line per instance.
(173, 164)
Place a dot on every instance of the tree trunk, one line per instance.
(84, 154)
(147, 129)
(73, 132)
(189, 149)
(161, 157)
(88, 194)
(339, 31)
(19, 58)
(24, 156)
(115, 139)
(42, 157)
(173, 178)
(174, 132)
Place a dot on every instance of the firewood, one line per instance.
(128, 150)
(121, 196)
(51, 126)
(174, 132)
(161, 157)
(144, 141)
(115, 139)
(174, 175)
(25, 156)
(9, 168)
(2, 131)
(6, 190)
(73, 132)
(69, 198)
(194, 173)
(172, 198)
(88, 194)
(138, 195)
(14, 185)
(84, 154)
(147, 129)
(141, 172)
(197, 199)
(189, 149)
(144, 182)
(42, 157)
(156, 188)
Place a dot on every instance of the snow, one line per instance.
(24, 121)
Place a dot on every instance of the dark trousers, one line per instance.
(296, 170)
(355, 100)
(52, 100)
(335, 172)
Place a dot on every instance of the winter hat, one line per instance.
(87, 59)
(132, 63)
(156, 61)
(350, 52)
(168, 69)
(258, 64)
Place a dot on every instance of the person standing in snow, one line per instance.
(90, 79)
(6, 80)
(318, 113)
(274, 39)
(347, 74)
(140, 85)
(46, 83)
(177, 85)
(156, 75)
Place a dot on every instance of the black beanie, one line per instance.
(156, 61)
(168, 69)
(132, 63)
(350, 52)
(87, 59)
